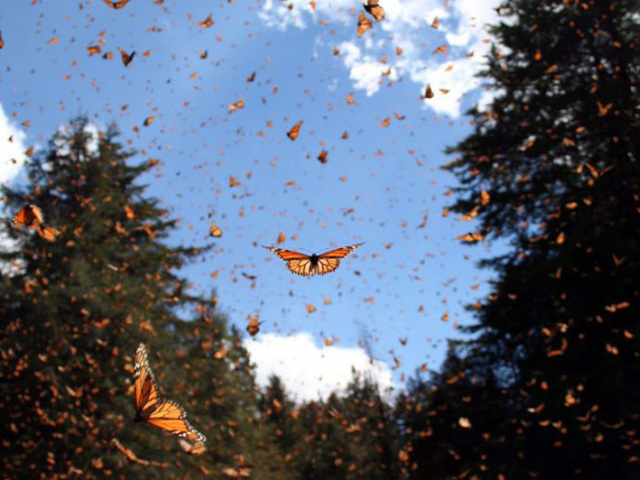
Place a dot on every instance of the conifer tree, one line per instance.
(553, 166)
(74, 310)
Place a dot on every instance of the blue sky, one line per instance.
(376, 187)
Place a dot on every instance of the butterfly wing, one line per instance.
(171, 417)
(330, 261)
(145, 388)
(48, 233)
(297, 262)
(341, 252)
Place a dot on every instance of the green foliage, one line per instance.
(552, 165)
(74, 310)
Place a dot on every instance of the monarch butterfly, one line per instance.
(31, 217)
(375, 10)
(308, 265)
(236, 106)
(127, 58)
(364, 24)
(428, 93)
(150, 407)
(214, 230)
(133, 457)
(48, 233)
(295, 131)
(208, 22)
(116, 5)
(197, 448)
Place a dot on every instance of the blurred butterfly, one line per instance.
(308, 265)
(295, 131)
(31, 217)
(236, 106)
(116, 5)
(133, 457)
(150, 408)
(428, 93)
(364, 24)
(208, 22)
(375, 10)
(215, 230)
(197, 448)
(127, 58)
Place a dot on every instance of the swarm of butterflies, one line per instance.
(150, 407)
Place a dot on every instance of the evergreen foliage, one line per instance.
(553, 166)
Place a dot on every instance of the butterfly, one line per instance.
(375, 10)
(308, 265)
(214, 230)
(116, 5)
(127, 58)
(31, 217)
(428, 93)
(133, 457)
(150, 407)
(295, 131)
(364, 24)
(236, 106)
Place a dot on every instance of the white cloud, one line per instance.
(12, 148)
(309, 371)
(407, 25)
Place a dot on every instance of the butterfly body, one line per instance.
(152, 409)
(309, 265)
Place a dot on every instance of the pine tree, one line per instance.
(553, 165)
(74, 310)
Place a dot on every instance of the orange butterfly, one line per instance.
(127, 58)
(133, 457)
(215, 230)
(308, 265)
(236, 106)
(295, 131)
(31, 217)
(150, 408)
(375, 10)
(364, 24)
(116, 5)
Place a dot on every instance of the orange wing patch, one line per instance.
(150, 408)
